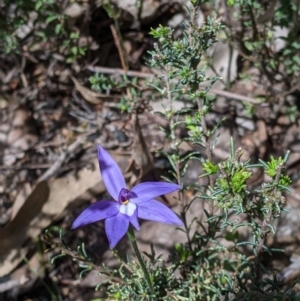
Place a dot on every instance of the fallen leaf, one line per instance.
(87, 94)
(20, 199)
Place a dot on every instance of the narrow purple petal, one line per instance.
(149, 190)
(115, 228)
(96, 212)
(134, 220)
(111, 173)
(158, 212)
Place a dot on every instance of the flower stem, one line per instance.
(132, 239)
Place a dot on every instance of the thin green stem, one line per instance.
(132, 239)
(175, 149)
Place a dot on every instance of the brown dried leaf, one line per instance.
(20, 199)
(88, 94)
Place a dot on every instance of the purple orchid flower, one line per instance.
(129, 205)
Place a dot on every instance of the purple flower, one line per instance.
(128, 205)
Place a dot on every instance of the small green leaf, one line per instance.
(51, 18)
(82, 50)
(70, 60)
(285, 180)
(117, 295)
(210, 168)
(238, 180)
(296, 45)
(38, 5)
(248, 45)
(272, 166)
(287, 51)
(58, 28)
(74, 35)
(223, 184)
(74, 50)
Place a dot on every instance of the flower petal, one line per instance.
(115, 228)
(128, 209)
(158, 212)
(96, 212)
(111, 173)
(134, 220)
(149, 190)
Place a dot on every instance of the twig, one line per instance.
(117, 71)
(118, 42)
(235, 96)
(291, 90)
(140, 153)
(26, 166)
(59, 162)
